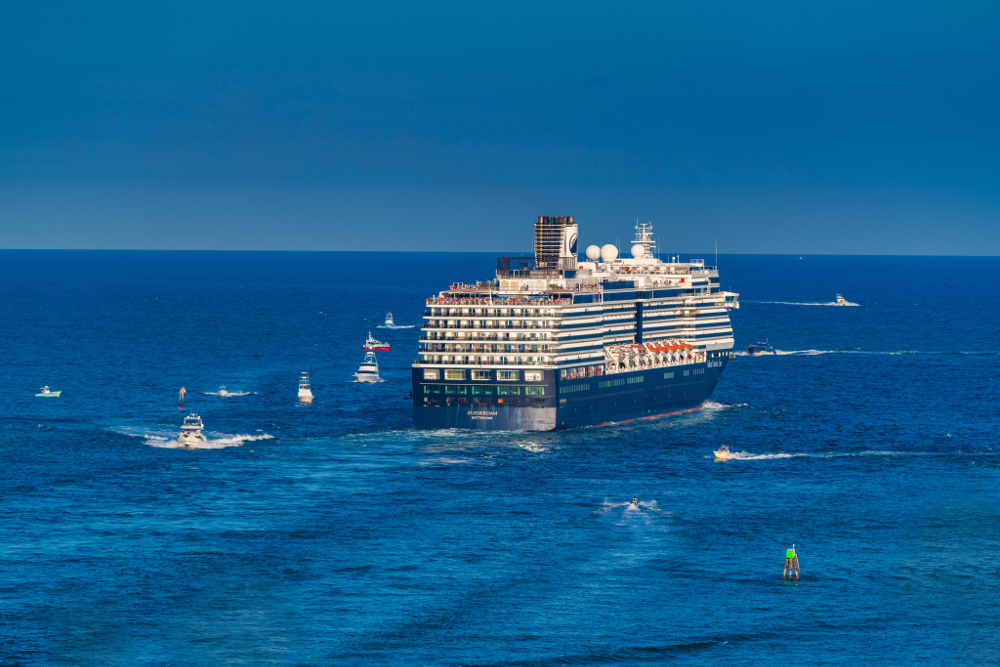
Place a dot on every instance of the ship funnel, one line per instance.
(555, 242)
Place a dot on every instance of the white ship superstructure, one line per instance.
(547, 322)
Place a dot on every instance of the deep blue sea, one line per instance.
(336, 534)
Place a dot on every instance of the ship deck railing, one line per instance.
(497, 301)
(483, 348)
(475, 327)
(484, 363)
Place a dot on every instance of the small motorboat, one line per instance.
(305, 393)
(388, 320)
(223, 392)
(371, 344)
(755, 349)
(841, 301)
(191, 432)
(368, 371)
(45, 392)
(723, 453)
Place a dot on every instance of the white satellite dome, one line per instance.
(638, 251)
(593, 253)
(609, 253)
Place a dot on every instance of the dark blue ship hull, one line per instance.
(564, 403)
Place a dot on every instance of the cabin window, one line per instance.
(507, 375)
(686, 373)
(508, 391)
(481, 375)
(533, 376)
(482, 391)
(431, 374)
(455, 389)
(454, 374)
(431, 389)
(668, 375)
(534, 391)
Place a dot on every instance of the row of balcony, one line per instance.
(486, 336)
(499, 349)
(481, 312)
(525, 325)
(484, 361)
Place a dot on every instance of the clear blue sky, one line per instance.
(841, 127)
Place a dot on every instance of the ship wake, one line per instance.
(165, 439)
(807, 303)
(812, 353)
(750, 456)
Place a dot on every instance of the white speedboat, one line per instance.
(45, 392)
(305, 393)
(841, 301)
(388, 320)
(223, 392)
(368, 371)
(723, 453)
(191, 432)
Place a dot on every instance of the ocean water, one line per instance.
(335, 534)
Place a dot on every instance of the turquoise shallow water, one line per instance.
(336, 534)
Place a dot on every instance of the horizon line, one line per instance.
(468, 252)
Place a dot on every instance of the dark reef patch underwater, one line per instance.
(336, 534)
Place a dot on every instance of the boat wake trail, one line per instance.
(807, 303)
(750, 456)
(168, 440)
(220, 442)
(712, 405)
(811, 353)
(227, 394)
(397, 326)
(646, 509)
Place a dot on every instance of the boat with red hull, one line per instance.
(372, 345)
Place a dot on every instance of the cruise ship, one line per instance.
(556, 342)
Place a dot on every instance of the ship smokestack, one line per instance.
(555, 243)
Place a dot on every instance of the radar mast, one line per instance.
(644, 237)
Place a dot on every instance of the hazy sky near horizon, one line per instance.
(774, 127)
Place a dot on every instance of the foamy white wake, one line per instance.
(168, 440)
(750, 456)
(810, 353)
(644, 505)
(213, 443)
(398, 326)
(227, 394)
(806, 303)
(712, 405)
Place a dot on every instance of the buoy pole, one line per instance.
(182, 392)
